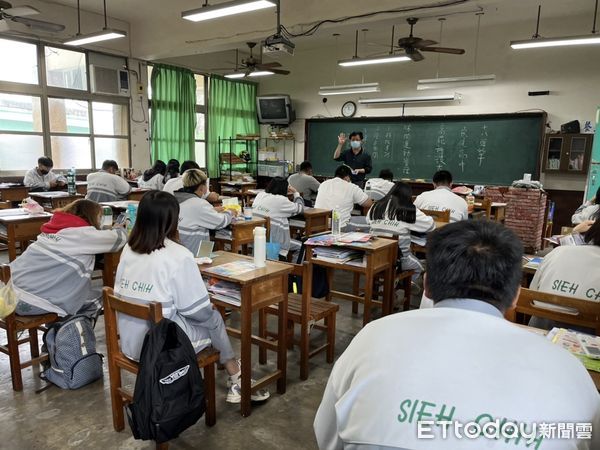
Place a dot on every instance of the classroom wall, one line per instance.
(572, 75)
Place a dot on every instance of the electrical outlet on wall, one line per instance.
(140, 88)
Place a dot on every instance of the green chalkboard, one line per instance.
(477, 149)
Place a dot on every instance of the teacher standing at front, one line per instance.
(355, 157)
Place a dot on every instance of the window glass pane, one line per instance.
(65, 68)
(200, 150)
(19, 151)
(111, 148)
(68, 116)
(199, 134)
(199, 89)
(110, 119)
(20, 113)
(69, 151)
(19, 62)
(149, 84)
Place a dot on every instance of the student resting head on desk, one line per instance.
(377, 188)
(154, 267)
(396, 216)
(274, 204)
(105, 185)
(54, 273)
(572, 271)
(153, 178)
(196, 215)
(460, 361)
(587, 210)
(41, 178)
(442, 198)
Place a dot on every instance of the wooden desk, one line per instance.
(259, 288)
(137, 194)
(21, 228)
(241, 234)
(13, 193)
(380, 256)
(81, 187)
(497, 210)
(236, 189)
(315, 221)
(119, 206)
(528, 272)
(55, 199)
(109, 269)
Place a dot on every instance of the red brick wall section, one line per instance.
(496, 193)
(525, 215)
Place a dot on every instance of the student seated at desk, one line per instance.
(396, 216)
(154, 267)
(377, 188)
(340, 193)
(305, 183)
(175, 184)
(172, 170)
(442, 198)
(41, 178)
(153, 178)
(458, 362)
(572, 271)
(196, 215)
(274, 204)
(54, 273)
(587, 210)
(105, 185)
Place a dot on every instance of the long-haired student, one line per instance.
(54, 273)
(154, 267)
(196, 215)
(588, 210)
(275, 204)
(153, 178)
(395, 215)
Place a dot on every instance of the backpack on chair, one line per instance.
(169, 391)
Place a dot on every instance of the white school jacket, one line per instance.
(169, 276)
(34, 180)
(340, 193)
(58, 267)
(278, 209)
(441, 199)
(470, 364)
(156, 182)
(106, 187)
(196, 218)
(173, 185)
(377, 188)
(585, 212)
(390, 228)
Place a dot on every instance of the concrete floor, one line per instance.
(59, 419)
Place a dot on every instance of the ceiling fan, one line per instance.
(251, 65)
(17, 14)
(413, 46)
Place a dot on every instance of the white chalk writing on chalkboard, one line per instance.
(387, 144)
(406, 150)
(375, 146)
(440, 157)
(481, 150)
(462, 148)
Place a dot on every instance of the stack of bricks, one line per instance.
(496, 193)
(525, 215)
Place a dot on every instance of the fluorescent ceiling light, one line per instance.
(235, 75)
(423, 99)
(343, 89)
(441, 83)
(261, 73)
(102, 35)
(226, 9)
(556, 42)
(374, 60)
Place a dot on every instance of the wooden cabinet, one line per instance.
(567, 153)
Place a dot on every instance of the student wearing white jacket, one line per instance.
(377, 188)
(442, 198)
(54, 273)
(396, 216)
(405, 375)
(589, 210)
(196, 215)
(105, 185)
(274, 204)
(41, 178)
(154, 267)
(154, 178)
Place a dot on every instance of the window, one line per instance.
(20, 113)
(111, 124)
(19, 62)
(68, 116)
(65, 68)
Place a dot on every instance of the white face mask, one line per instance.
(355, 144)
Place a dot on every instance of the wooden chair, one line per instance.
(305, 311)
(5, 204)
(438, 216)
(14, 324)
(484, 209)
(117, 360)
(587, 316)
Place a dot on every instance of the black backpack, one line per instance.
(169, 391)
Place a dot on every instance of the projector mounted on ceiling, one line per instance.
(276, 46)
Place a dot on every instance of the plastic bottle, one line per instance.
(107, 217)
(470, 202)
(131, 215)
(260, 246)
(71, 187)
(336, 226)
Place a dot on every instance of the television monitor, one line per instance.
(274, 109)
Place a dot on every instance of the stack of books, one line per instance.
(337, 255)
(225, 291)
(584, 346)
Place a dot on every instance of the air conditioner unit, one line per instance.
(108, 80)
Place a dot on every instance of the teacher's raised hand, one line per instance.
(342, 139)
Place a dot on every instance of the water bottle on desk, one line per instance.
(131, 215)
(260, 246)
(336, 226)
(71, 187)
(470, 202)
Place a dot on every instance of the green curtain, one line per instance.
(173, 113)
(231, 111)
